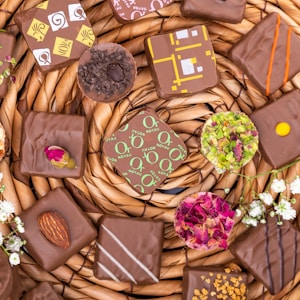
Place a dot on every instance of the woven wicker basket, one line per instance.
(101, 189)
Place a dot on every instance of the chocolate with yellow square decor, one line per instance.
(145, 151)
(182, 62)
(57, 32)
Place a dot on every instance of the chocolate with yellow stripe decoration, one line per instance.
(145, 151)
(182, 62)
(57, 32)
(268, 54)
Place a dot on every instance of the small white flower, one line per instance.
(266, 198)
(7, 207)
(14, 243)
(3, 216)
(20, 228)
(263, 221)
(1, 176)
(295, 186)
(285, 210)
(226, 190)
(14, 259)
(238, 212)
(256, 209)
(278, 185)
(220, 170)
(17, 220)
(249, 221)
(1, 238)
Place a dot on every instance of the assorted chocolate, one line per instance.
(278, 126)
(56, 229)
(41, 130)
(182, 62)
(57, 32)
(129, 249)
(145, 151)
(231, 11)
(268, 54)
(43, 290)
(270, 252)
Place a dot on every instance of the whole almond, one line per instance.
(55, 229)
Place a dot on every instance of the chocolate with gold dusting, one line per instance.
(182, 62)
(129, 249)
(268, 54)
(231, 11)
(57, 32)
(43, 290)
(270, 252)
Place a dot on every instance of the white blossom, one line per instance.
(249, 221)
(14, 243)
(220, 170)
(278, 186)
(266, 198)
(1, 239)
(285, 210)
(3, 216)
(20, 228)
(1, 176)
(295, 186)
(256, 209)
(7, 207)
(14, 259)
(238, 212)
(17, 220)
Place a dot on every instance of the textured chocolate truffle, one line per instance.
(81, 230)
(145, 151)
(270, 252)
(129, 249)
(231, 11)
(7, 43)
(106, 72)
(182, 62)
(57, 32)
(44, 290)
(268, 54)
(279, 148)
(42, 129)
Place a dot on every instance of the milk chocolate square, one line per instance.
(270, 252)
(42, 129)
(7, 44)
(145, 151)
(231, 11)
(127, 11)
(65, 216)
(43, 290)
(57, 32)
(212, 283)
(182, 62)
(129, 249)
(268, 54)
(278, 127)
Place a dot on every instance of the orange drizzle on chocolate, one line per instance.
(272, 55)
(287, 57)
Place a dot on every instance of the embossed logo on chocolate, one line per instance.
(58, 21)
(38, 30)
(76, 12)
(43, 56)
(145, 151)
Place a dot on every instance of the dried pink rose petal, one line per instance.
(59, 157)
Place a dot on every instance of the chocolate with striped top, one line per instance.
(129, 249)
(268, 54)
(270, 252)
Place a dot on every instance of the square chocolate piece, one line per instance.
(210, 283)
(57, 32)
(56, 229)
(127, 11)
(278, 126)
(43, 290)
(129, 249)
(42, 129)
(268, 54)
(145, 151)
(231, 11)
(7, 44)
(270, 252)
(182, 62)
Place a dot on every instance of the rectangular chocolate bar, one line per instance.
(57, 32)
(129, 249)
(56, 229)
(278, 128)
(231, 11)
(7, 44)
(42, 129)
(182, 62)
(145, 151)
(270, 252)
(127, 11)
(43, 290)
(213, 282)
(268, 54)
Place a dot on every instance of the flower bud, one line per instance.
(59, 157)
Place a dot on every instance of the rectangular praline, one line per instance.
(129, 249)
(43, 290)
(270, 252)
(57, 32)
(268, 54)
(231, 11)
(81, 230)
(42, 129)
